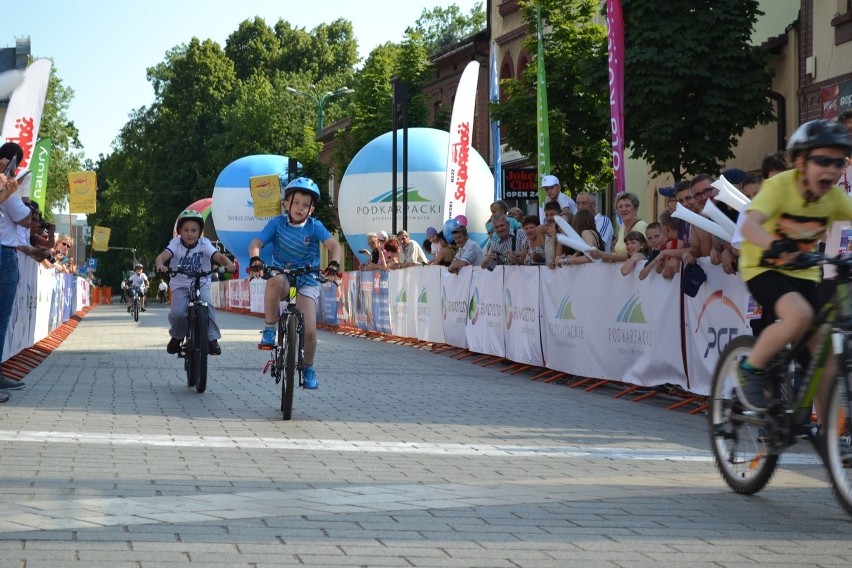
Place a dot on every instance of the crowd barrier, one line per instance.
(585, 320)
(44, 300)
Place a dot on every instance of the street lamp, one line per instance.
(320, 99)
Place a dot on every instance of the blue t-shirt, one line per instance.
(295, 246)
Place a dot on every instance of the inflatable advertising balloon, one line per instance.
(365, 198)
(203, 207)
(233, 210)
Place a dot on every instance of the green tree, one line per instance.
(693, 81)
(575, 64)
(441, 27)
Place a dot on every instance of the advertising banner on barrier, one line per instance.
(428, 287)
(715, 316)
(402, 305)
(345, 303)
(622, 331)
(364, 302)
(486, 323)
(521, 308)
(328, 303)
(454, 305)
(381, 305)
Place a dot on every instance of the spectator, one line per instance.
(669, 194)
(163, 291)
(123, 291)
(535, 241)
(701, 243)
(670, 265)
(845, 180)
(637, 251)
(499, 207)
(584, 224)
(391, 250)
(603, 224)
(410, 253)
(550, 185)
(627, 208)
(14, 213)
(656, 239)
(516, 214)
(60, 253)
(774, 164)
(469, 253)
(382, 236)
(36, 240)
(547, 230)
(442, 251)
(377, 254)
(509, 246)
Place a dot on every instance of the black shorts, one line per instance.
(768, 287)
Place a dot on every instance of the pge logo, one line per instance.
(719, 336)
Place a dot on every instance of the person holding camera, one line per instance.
(509, 246)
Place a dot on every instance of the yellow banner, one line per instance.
(100, 238)
(266, 195)
(82, 191)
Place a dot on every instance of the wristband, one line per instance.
(335, 265)
(257, 258)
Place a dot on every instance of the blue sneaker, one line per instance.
(309, 378)
(267, 340)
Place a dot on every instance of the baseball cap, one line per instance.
(549, 180)
(734, 175)
(691, 279)
(667, 191)
(382, 235)
(460, 229)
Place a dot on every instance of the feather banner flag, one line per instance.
(542, 128)
(615, 43)
(23, 115)
(459, 148)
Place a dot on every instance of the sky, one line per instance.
(101, 48)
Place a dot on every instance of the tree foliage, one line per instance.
(693, 81)
(578, 118)
(441, 28)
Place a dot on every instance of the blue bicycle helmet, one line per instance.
(819, 134)
(304, 184)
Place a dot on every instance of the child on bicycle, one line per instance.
(295, 238)
(190, 251)
(791, 214)
(138, 284)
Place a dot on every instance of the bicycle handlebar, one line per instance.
(300, 271)
(195, 273)
(810, 259)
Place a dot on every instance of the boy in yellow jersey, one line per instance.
(791, 214)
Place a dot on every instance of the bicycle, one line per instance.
(135, 302)
(194, 349)
(287, 355)
(747, 444)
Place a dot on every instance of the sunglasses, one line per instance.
(63, 245)
(825, 161)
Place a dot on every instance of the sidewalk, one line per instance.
(401, 458)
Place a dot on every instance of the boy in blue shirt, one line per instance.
(295, 239)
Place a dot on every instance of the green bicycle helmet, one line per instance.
(190, 214)
(304, 184)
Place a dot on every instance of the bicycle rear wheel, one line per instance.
(288, 353)
(837, 443)
(739, 443)
(201, 347)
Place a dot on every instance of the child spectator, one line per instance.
(190, 251)
(585, 226)
(637, 251)
(295, 239)
(656, 239)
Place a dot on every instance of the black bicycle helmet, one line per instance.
(190, 214)
(303, 184)
(819, 134)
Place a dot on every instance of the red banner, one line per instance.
(615, 43)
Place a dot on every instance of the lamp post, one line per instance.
(320, 99)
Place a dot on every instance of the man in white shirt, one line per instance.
(410, 253)
(550, 185)
(587, 201)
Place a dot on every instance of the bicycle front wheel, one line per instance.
(136, 309)
(291, 345)
(837, 442)
(201, 347)
(739, 443)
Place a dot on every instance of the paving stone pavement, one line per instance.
(401, 458)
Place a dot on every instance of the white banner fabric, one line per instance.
(486, 323)
(429, 322)
(521, 308)
(715, 316)
(461, 143)
(26, 105)
(454, 305)
(401, 289)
